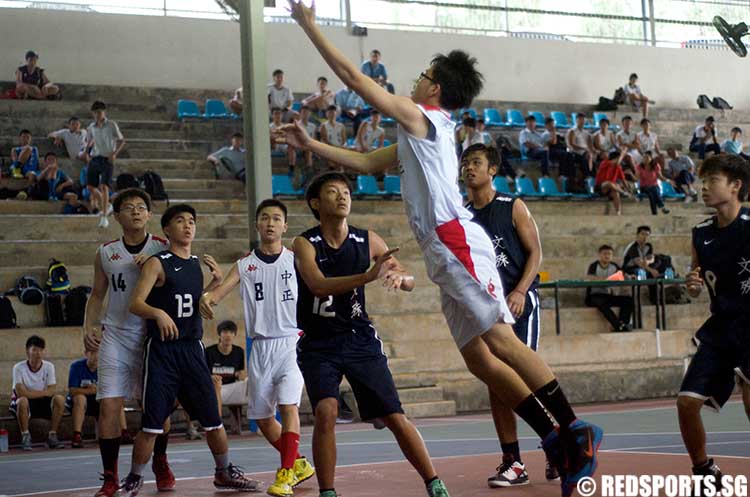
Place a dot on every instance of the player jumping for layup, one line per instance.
(458, 253)
(269, 295)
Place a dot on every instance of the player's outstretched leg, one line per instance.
(109, 444)
(227, 476)
(284, 436)
(324, 445)
(511, 472)
(160, 466)
(694, 435)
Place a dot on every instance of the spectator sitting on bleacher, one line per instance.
(704, 139)
(236, 102)
(53, 184)
(319, 101)
(370, 136)
(332, 132)
(639, 253)
(579, 144)
(603, 139)
(647, 139)
(610, 179)
(734, 145)
(532, 144)
(460, 132)
(481, 129)
(555, 143)
(230, 160)
(73, 137)
(24, 159)
(34, 396)
(301, 177)
(471, 137)
(682, 171)
(32, 81)
(81, 400)
(351, 107)
(376, 70)
(280, 96)
(602, 298)
(628, 139)
(649, 174)
(634, 95)
(227, 364)
(278, 147)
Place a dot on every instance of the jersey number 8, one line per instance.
(184, 305)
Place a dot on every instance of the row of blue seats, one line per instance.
(215, 109)
(514, 118)
(281, 184)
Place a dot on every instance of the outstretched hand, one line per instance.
(304, 15)
(293, 134)
(377, 269)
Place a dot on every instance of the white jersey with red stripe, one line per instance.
(429, 174)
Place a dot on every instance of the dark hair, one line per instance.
(271, 202)
(322, 78)
(24, 132)
(277, 71)
(734, 167)
(175, 210)
(35, 341)
(626, 118)
(613, 155)
(491, 153)
(465, 113)
(98, 105)
(469, 121)
(374, 111)
(644, 121)
(530, 117)
(227, 325)
(304, 107)
(237, 135)
(458, 78)
(331, 107)
(604, 120)
(50, 153)
(549, 120)
(581, 114)
(606, 247)
(736, 129)
(73, 118)
(127, 193)
(275, 109)
(317, 183)
(633, 75)
(374, 51)
(31, 54)
(643, 227)
(710, 118)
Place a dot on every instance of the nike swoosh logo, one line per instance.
(589, 451)
(177, 269)
(552, 392)
(708, 242)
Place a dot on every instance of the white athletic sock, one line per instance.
(25, 432)
(138, 468)
(222, 461)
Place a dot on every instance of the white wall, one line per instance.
(190, 53)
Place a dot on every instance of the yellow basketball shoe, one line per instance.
(303, 470)
(282, 487)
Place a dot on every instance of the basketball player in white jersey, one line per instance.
(268, 286)
(120, 338)
(458, 253)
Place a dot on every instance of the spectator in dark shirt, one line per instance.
(602, 298)
(53, 184)
(24, 158)
(32, 82)
(227, 364)
(81, 400)
(376, 70)
(610, 179)
(639, 253)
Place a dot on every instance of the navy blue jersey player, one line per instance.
(167, 296)
(333, 263)
(518, 255)
(721, 263)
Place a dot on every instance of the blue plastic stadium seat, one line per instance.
(82, 179)
(538, 116)
(387, 120)
(668, 191)
(548, 188)
(187, 108)
(501, 185)
(281, 184)
(215, 109)
(367, 185)
(296, 106)
(586, 123)
(598, 116)
(564, 185)
(350, 142)
(561, 120)
(515, 118)
(392, 185)
(386, 143)
(492, 117)
(525, 188)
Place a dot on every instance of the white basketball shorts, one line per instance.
(273, 377)
(120, 364)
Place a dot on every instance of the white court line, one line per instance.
(677, 446)
(665, 453)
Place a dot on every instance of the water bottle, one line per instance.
(641, 274)
(3, 440)
(669, 274)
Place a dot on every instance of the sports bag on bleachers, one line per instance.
(75, 305)
(619, 97)
(154, 186)
(704, 102)
(606, 104)
(54, 310)
(29, 291)
(7, 314)
(720, 103)
(125, 180)
(57, 277)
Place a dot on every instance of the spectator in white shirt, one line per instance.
(579, 144)
(73, 137)
(647, 139)
(280, 96)
(486, 136)
(332, 132)
(603, 140)
(236, 102)
(370, 135)
(533, 146)
(734, 145)
(319, 101)
(704, 139)
(33, 396)
(628, 139)
(635, 97)
(230, 159)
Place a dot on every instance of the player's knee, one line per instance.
(79, 400)
(265, 424)
(395, 421)
(58, 401)
(326, 412)
(687, 404)
(22, 403)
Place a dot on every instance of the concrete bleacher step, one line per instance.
(155, 153)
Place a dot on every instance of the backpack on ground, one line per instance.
(125, 180)
(154, 186)
(619, 97)
(720, 103)
(606, 104)
(704, 102)
(54, 310)
(57, 277)
(7, 314)
(29, 291)
(75, 305)
(676, 294)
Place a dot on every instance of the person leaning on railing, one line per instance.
(602, 298)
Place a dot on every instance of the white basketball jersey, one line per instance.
(269, 295)
(122, 273)
(429, 175)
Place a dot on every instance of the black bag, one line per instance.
(153, 185)
(29, 291)
(704, 102)
(57, 277)
(7, 314)
(619, 97)
(606, 104)
(720, 103)
(54, 308)
(676, 294)
(125, 180)
(75, 305)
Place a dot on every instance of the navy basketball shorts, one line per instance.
(528, 326)
(177, 370)
(723, 353)
(360, 358)
(92, 405)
